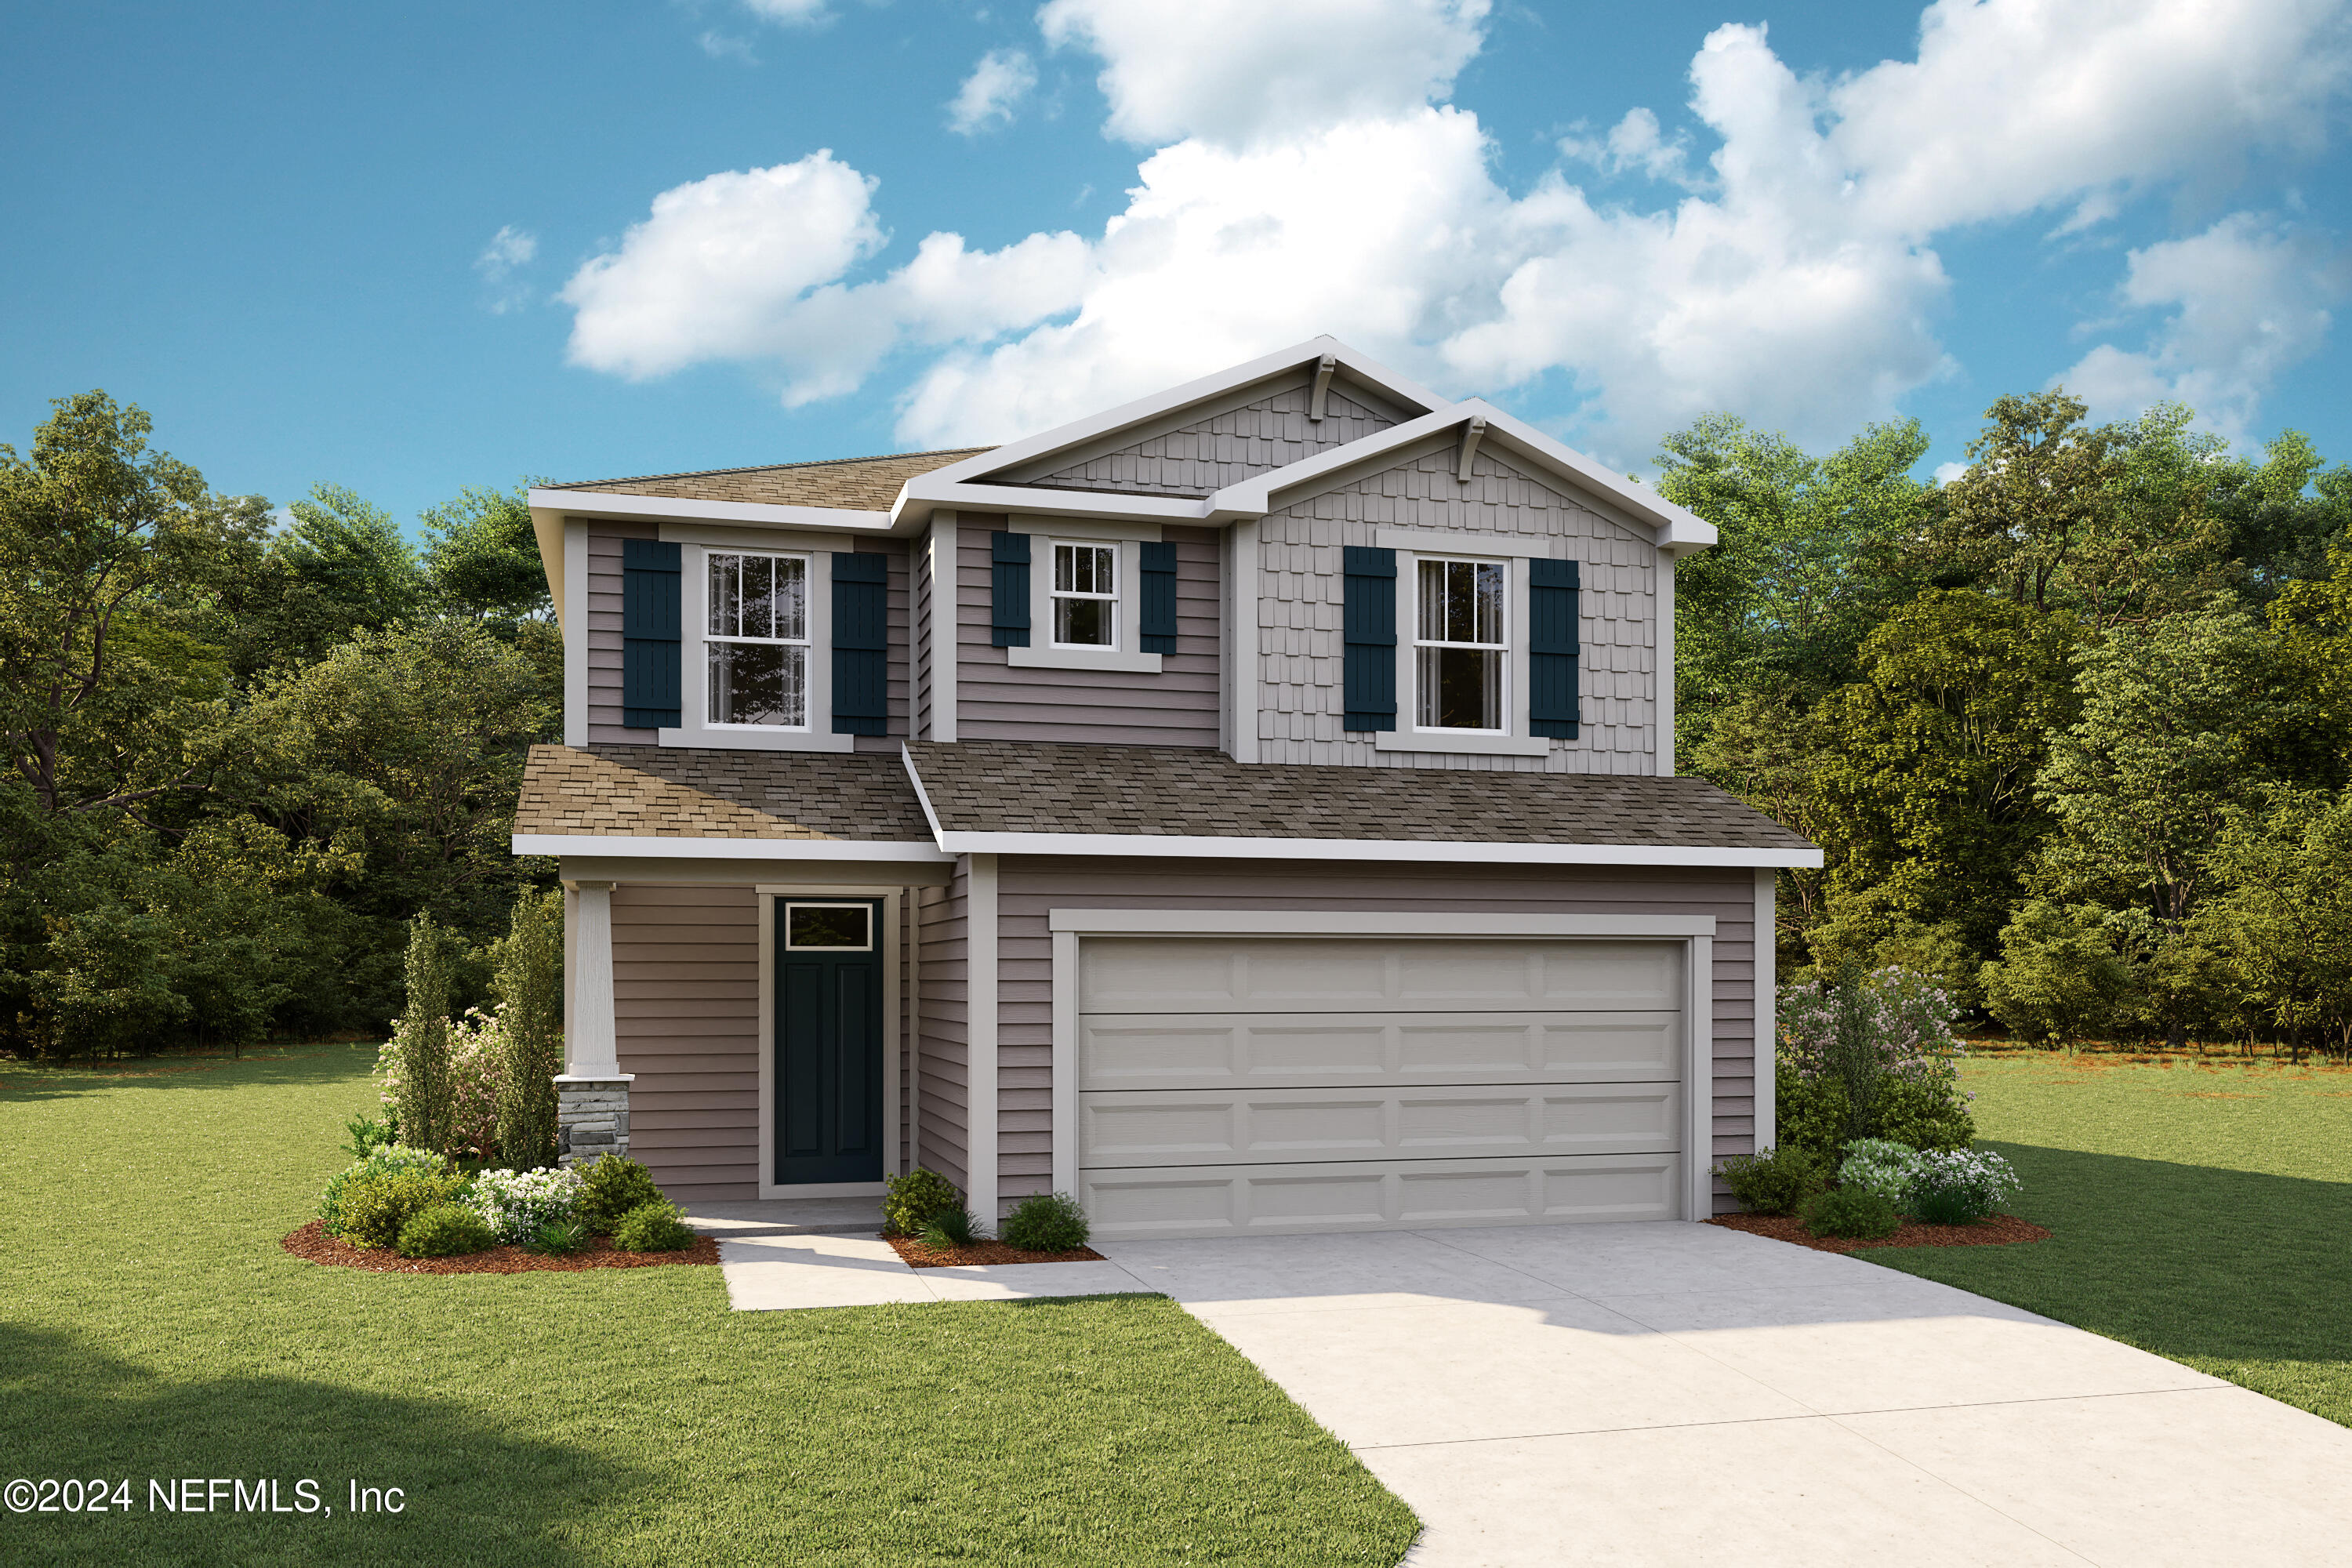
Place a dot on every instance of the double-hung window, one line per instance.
(1459, 644)
(757, 642)
(1086, 595)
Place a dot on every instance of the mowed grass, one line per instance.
(150, 1327)
(2204, 1213)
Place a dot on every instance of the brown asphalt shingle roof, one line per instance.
(862, 484)
(694, 793)
(1010, 786)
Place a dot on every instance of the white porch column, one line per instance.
(979, 945)
(592, 1093)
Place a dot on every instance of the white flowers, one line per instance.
(1958, 1186)
(1884, 1168)
(515, 1203)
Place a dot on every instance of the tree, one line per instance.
(483, 558)
(2286, 920)
(2284, 514)
(530, 1002)
(421, 1041)
(340, 566)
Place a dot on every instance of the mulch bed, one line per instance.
(1999, 1230)
(917, 1255)
(312, 1243)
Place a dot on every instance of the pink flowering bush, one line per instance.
(1897, 1043)
(478, 1070)
(1908, 1022)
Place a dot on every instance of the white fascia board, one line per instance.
(1679, 530)
(1297, 356)
(1254, 496)
(762, 514)
(919, 496)
(1436, 851)
(1366, 922)
(622, 846)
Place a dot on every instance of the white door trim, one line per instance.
(891, 1042)
(1369, 922)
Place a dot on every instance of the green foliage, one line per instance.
(370, 1133)
(385, 1159)
(422, 1085)
(656, 1227)
(445, 1230)
(1812, 1114)
(1882, 1166)
(483, 557)
(529, 987)
(1046, 1222)
(909, 1201)
(376, 1207)
(560, 1238)
(2287, 922)
(954, 1226)
(1772, 1181)
(1856, 1212)
(612, 1188)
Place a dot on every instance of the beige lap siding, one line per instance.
(941, 1048)
(1030, 887)
(686, 994)
(996, 700)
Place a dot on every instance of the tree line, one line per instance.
(245, 748)
(2070, 729)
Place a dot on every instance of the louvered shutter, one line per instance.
(1158, 599)
(1008, 556)
(1369, 634)
(649, 634)
(861, 643)
(1552, 590)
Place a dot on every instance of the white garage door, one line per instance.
(1248, 1085)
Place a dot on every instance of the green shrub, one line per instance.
(1854, 1211)
(381, 1161)
(1046, 1222)
(613, 1188)
(368, 1135)
(657, 1227)
(559, 1238)
(1926, 1114)
(1961, 1187)
(955, 1226)
(445, 1230)
(914, 1198)
(1886, 1167)
(376, 1209)
(1772, 1181)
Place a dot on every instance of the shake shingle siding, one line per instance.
(1300, 658)
(998, 700)
(1209, 454)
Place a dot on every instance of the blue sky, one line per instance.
(412, 248)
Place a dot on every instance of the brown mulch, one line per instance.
(917, 1255)
(313, 1242)
(1998, 1230)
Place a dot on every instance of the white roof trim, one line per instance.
(627, 846)
(924, 492)
(1298, 356)
(764, 515)
(1392, 849)
(1367, 923)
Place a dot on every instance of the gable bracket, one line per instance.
(1473, 433)
(1323, 373)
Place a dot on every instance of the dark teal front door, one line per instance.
(828, 1041)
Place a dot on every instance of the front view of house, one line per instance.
(1251, 809)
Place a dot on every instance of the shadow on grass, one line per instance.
(473, 1494)
(2185, 1260)
(26, 1081)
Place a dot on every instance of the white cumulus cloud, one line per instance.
(789, 12)
(992, 92)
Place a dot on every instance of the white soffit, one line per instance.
(633, 847)
(1421, 850)
(758, 514)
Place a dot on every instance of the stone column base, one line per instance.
(591, 1117)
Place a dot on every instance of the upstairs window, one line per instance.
(1086, 595)
(757, 642)
(1459, 644)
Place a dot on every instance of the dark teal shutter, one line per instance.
(1553, 647)
(1159, 598)
(1369, 634)
(1008, 556)
(649, 634)
(861, 644)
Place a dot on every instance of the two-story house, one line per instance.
(1251, 809)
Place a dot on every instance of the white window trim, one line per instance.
(1042, 653)
(694, 660)
(1120, 591)
(1513, 740)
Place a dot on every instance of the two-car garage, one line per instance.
(1243, 1083)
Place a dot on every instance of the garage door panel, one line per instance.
(1300, 1125)
(1278, 1199)
(1160, 974)
(1206, 1050)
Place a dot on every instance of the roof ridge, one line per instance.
(770, 467)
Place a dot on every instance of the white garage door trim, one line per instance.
(1697, 931)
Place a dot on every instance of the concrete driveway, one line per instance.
(1681, 1393)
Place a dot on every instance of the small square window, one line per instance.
(837, 927)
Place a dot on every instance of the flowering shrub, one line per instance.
(389, 1160)
(1961, 1187)
(478, 1074)
(1907, 1018)
(516, 1204)
(1873, 1058)
(1885, 1168)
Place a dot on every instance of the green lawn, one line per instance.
(2203, 1215)
(149, 1326)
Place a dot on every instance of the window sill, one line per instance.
(1458, 743)
(1082, 658)
(748, 740)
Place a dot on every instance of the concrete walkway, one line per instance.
(1678, 1394)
